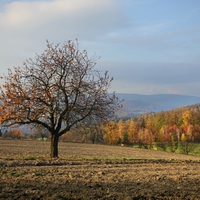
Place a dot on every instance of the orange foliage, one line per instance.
(17, 133)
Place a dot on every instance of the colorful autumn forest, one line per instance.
(167, 130)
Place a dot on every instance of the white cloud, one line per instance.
(25, 26)
(62, 17)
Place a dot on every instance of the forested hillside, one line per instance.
(175, 130)
(165, 130)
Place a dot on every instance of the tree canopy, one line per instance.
(57, 90)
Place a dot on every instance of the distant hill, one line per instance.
(135, 104)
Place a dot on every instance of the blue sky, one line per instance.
(148, 46)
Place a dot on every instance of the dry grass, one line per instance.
(30, 149)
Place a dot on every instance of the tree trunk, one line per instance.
(54, 146)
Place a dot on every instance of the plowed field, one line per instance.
(86, 171)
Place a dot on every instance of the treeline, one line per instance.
(24, 132)
(167, 130)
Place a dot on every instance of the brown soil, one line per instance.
(82, 173)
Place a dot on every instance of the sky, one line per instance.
(148, 46)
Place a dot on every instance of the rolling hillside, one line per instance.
(135, 104)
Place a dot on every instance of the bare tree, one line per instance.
(57, 90)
